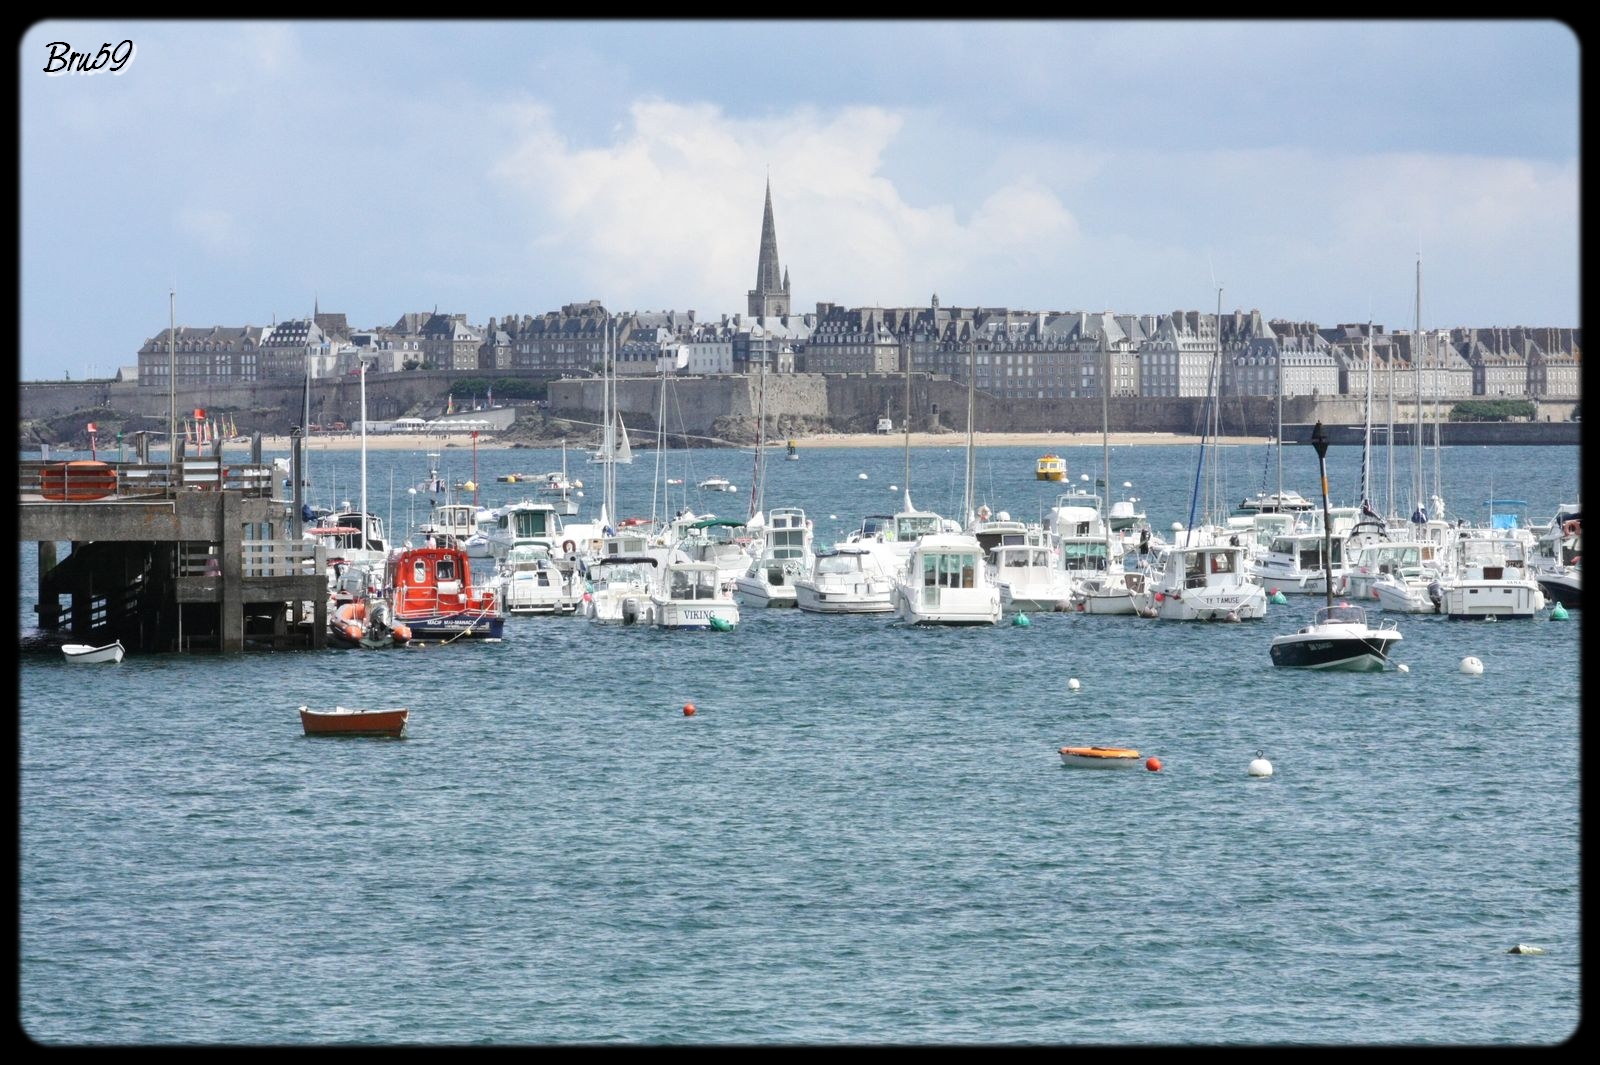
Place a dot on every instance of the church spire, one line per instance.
(770, 297)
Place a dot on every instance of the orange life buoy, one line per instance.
(568, 547)
(1571, 527)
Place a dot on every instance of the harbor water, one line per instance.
(863, 835)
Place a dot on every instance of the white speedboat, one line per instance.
(717, 484)
(620, 587)
(783, 557)
(945, 582)
(1338, 638)
(850, 579)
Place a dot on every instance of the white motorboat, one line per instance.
(1108, 592)
(530, 581)
(1338, 639)
(90, 654)
(689, 595)
(1491, 580)
(525, 524)
(783, 556)
(1029, 578)
(945, 582)
(1201, 582)
(620, 587)
(717, 484)
(850, 579)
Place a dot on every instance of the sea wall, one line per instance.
(843, 402)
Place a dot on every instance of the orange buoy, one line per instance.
(688, 709)
(1153, 764)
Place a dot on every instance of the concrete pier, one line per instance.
(195, 555)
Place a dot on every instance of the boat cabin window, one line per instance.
(954, 570)
(1222, 562)
(909, 528)
(419, 572)
(446, 569)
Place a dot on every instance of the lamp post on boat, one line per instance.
(1319, 441)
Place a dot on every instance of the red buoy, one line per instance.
(1153, 764)
(688, 709)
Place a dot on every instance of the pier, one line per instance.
(184, 556)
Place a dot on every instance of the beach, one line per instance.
(1044, 441)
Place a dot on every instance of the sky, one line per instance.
(245, 172)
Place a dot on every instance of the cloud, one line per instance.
(668, 213)
(215, 230)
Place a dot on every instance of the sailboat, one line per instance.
(614, 448)
(1338, 637)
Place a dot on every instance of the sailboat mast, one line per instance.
(608, 474)
(1416, 367)
(661, 444)
(756, 489)
(1278, 440)
(172, 377)
(1388, 436)
(905, 358)
(1105, 421)
(967, 515)
(1366, 448)
(363, 373)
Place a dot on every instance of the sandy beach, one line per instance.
(1044, 441)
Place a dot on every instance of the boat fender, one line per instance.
(568, 548)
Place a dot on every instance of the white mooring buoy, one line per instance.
(1072, 684)
(1471, 665)
(1260, 767)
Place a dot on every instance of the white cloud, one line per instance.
(668, 214)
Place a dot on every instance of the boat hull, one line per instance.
(1341, 654)
(87, 654)
(1099, 757)
(342, 722)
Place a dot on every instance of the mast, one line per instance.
(905, 355)
(661, 444)
(1366, 448)
(363, 372)
(172, 376)
(756, 487)
(1278, 442)
(1416, 368)
(1105, 424)
(608, 447)
(1388, 436)
(967, 515)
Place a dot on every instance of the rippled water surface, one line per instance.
(864, 835)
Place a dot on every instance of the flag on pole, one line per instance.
(92, 429)
(199, 414)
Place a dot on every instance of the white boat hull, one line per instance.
(88, 654)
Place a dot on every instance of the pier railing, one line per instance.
(136, 480)
(260, 558)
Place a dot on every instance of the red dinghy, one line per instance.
(341, 721)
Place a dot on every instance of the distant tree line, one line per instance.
(1492, 410)
(511, 388)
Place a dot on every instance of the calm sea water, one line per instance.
(864, 835)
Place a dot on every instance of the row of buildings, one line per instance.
(1013, 354)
